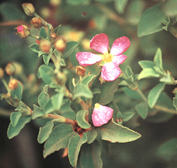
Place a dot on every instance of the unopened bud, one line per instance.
(23, 31)
(55, 3)
(13, 84)
(37, 41)
(36, 22)
(80, 70)
(45, 45)
(61, 78)
(1, 73)
(60, 44)
(53, 35)
(28, 9)
(13, 68)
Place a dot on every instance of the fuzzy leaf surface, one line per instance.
(142, 109)
(81, 119)
(43, 97)
(154, 94)
(14, 118)
(113, 132)
(58, 139)
(14, 131)
(74, 147)
(45, 131)
(91, 156)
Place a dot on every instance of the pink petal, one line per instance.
(20, 28)
(101, 115)
(87, 58)
(120, 45)
(117, 60)
(110, 72)
(100, 43)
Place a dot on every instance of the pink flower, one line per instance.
(110, 61)
(23, 31)
(101, 115)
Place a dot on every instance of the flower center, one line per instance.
(107, 58)
(97, 105)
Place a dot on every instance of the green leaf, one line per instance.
(45, 72)
(78, 2)
(82, 90)
(43, 97)
(175, 102)
(46, 58)
(113, 132)
(91, 135)
(154, 94)
(37, 112)
(14, 131)
(35, 47)
(70, 47)
(62, 62)
(57, 100)
(96, 91)
(158, 59)
(146, 64)
(45, 131)
(168, 78)
(43, 33)
(86, 80)
(129, 72)
(74, 146)
(142, 109)
(150, 21)
(49, 107)
(17, 93)
(91, 156)
(126, 116)
(58, 139)
(169, 7)
(14, 118)
(81, 119)
(168, 150)
(120, 5)
(107, 92)
(132, 93)
(148, 73)
(41, 53)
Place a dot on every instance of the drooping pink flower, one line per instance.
(101, 115)
(110, 61)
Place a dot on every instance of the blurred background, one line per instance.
(80, 20)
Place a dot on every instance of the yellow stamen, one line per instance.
(107, 58)
(97, 105)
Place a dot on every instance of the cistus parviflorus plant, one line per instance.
(82, 87)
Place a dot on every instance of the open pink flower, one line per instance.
(101, 115)
(110, 61)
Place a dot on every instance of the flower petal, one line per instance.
(87, 58)
(101, 115)
(117, 60)
(100, 43)
(120, 45)
(110, 72)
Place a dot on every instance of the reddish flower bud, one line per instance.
(23, 31)
(13, 84)
(60, 44)
(37, 41)
(45, 45)
(53, 35)
(1, 73)
(36, 22)
(28, 9)
(80, 70)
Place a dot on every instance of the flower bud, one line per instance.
(45, 45)
(23, 31)
(13, 84)
(80, 70)
(53, 35)
(55, 3)
(28, 9)
(59, 44)
(36, 22)
(13, 68)
(1, 73)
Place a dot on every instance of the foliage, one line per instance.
(51, 86)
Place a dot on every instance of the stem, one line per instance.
(165, 109)
(61, 119)
(5, 84)
(4, 113)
